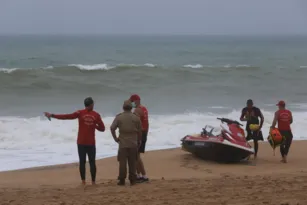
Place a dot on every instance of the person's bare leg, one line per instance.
(141, 168)
(138, 171)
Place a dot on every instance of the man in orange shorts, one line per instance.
(142, 112)
(284, 119)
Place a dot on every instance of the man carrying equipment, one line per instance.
(251, 115)
(284, 119)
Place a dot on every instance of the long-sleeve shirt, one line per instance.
(89, 121)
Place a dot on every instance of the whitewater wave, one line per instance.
(28, 142)
(106, 67)
(193, 66)
(94, 67)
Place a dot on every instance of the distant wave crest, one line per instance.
(106, 67)
(94, 67)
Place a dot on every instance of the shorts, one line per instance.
(254, 135)
(287, 134)
(143, 143)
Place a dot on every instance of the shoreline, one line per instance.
(71, 164)
(54, 166)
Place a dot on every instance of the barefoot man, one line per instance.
(284, 119)
(142, 112)
(251, 115)
(89, 121)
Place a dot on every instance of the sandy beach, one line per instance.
(176, 178)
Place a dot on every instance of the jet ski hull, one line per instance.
(221, 151)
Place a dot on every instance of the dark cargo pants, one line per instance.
(127, 155)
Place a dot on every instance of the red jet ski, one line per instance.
(228, 146)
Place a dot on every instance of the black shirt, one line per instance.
(252, 115)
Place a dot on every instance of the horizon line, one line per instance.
(148, 34)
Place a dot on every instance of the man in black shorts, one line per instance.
(251, 115)
(141, 111)
(283, 117)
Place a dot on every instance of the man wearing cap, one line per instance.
(251, 115)
(130, 131)
(284, 119)
(142, 112)
(89, 121)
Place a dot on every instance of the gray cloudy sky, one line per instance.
(154, 16)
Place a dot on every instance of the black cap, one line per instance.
(249, 102)
(88, 101)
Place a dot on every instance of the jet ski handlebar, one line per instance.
(228, 121)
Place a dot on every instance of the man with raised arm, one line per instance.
(89, 122)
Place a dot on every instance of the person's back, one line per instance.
(128, 125)
(88, 119)
(284, 120)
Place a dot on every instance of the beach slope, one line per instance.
(176, 178)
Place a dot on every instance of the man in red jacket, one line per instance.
(89, 121)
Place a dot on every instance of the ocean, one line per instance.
(185, 81)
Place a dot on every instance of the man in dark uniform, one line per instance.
(130, 133)
(251, 115)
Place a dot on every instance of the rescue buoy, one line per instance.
(254, 127)
(275, 138)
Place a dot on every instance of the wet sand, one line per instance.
(176, 178)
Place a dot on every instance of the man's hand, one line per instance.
(139, 144)
(47, 114)
(116, 139)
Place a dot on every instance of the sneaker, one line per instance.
(142, 179)
(145, 180)
(139, 180)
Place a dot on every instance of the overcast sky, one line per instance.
(153, 16)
